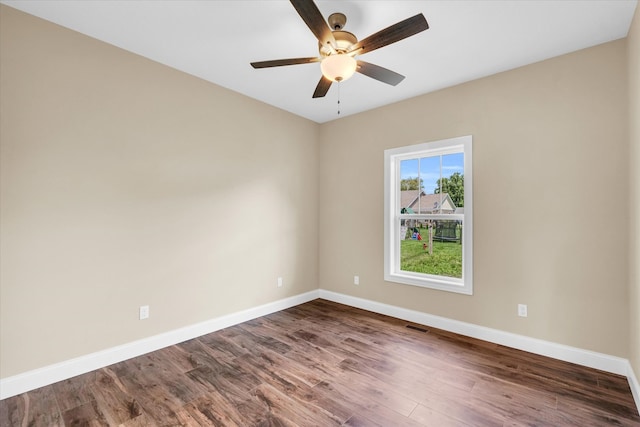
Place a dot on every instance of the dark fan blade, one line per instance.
(282, 62)
(310, 14)
(323, 87)
(392, 34)
(379, 73)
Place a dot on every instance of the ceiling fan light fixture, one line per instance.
(338, 67)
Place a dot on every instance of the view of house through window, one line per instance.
(428, 215)
(432, 185)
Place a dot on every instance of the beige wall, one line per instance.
(633, 49)
(125, 183)
(551, 210)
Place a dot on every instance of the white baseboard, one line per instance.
(604, 362)
(21, 383)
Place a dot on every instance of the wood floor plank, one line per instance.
(465, 409)
(324, 364)
(585, 416)
(86, 414)
(221, 347)
(115, 401)
(376, 391)
(298, 347)
(13, 410)
(34, 409)
(139, 421)
(278, 371)
(380, 416)
(431, 418)
(491, 388)
(231, 381)
(74, 391)
(615, 384)
(197, 354)
(178, 356)
(215, 410)
(282, 407)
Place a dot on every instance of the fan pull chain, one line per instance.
(338, 98)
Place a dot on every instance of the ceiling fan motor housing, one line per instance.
(344, 40)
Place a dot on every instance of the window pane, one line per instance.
(431, 247)
(410, 184)
(430, 173)
(452, 180)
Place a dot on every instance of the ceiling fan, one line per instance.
(337, 48)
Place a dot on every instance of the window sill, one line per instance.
(437, 283)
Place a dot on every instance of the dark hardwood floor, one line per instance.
(325, 364)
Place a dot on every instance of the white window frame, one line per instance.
(392, 216)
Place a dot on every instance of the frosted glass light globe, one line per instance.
(338, 67)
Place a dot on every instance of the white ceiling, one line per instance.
(216, 41)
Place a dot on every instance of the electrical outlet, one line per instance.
(356, 280)
(279, 282)
(144, 312)
(522, 310)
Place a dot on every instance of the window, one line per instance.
(428, 215)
